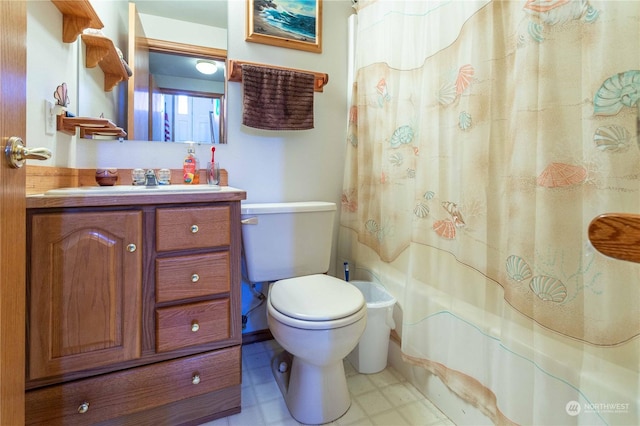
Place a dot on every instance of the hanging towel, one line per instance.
(277, 99)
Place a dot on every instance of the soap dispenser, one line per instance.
(190, 167)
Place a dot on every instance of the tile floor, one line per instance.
(385, 398)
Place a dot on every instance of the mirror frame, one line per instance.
(170, 47)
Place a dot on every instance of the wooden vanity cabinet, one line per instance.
(133, 314)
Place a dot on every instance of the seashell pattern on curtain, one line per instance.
(518, 119)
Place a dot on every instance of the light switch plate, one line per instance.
(49, 118)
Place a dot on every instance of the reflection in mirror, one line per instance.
(171, 100)
(187, 117)
(187, 105)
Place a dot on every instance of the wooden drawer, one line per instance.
(192, 227)
(135, 390)
(192, 324)
(192, 276)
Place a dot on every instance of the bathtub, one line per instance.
(526, 374)
(541, 379)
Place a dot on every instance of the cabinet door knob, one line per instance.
(195, 379)
(194, 229)
(131, 248)
(195, 326)
(83, 408)
(195, 278)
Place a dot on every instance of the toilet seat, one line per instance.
(315, 302)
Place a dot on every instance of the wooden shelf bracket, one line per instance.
(101, 51)
(76, 17)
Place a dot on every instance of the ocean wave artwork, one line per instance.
(294, 19)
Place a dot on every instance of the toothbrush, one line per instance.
(212, 170)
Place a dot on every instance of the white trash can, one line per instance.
(370, 355)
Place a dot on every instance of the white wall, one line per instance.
(290, 166)
(157, 27)
(50, 62)
(270, 166)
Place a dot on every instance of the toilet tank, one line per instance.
(286, 240)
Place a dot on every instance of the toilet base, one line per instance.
(282, 377)
(313, 394)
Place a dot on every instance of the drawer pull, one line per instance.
(131, 248)
(195, 379)
(195, 278)
(195, 326)
(83, 408)
(194, 229)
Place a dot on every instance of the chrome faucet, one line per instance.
(150, 178)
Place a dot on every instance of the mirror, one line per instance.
(169, 100)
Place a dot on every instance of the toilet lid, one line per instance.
(316, 298)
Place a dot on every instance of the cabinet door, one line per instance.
(85, 281)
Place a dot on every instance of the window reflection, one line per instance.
(189, 118)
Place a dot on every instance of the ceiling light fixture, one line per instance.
(206, 67)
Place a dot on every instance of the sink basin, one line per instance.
(136, 190)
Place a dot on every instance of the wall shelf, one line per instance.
(76, 17)
(92, 128)
(101, 51)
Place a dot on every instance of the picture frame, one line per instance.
(302, 30)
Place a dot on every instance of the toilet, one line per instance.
(316, 318)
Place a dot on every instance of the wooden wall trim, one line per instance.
(40, 179)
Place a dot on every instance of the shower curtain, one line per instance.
(484, 136)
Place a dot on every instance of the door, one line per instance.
(13, 28)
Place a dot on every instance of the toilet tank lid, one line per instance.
(293, 207)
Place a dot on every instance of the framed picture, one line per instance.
(296, 24)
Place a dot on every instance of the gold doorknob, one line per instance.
(17, 153)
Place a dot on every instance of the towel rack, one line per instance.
(235, 73)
